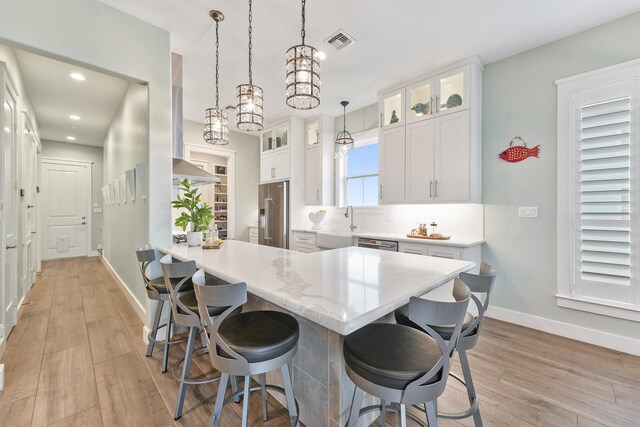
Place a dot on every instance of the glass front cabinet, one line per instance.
(391, 106)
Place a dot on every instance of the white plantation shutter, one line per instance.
(605, 226)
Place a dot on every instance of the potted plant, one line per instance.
(198, 214)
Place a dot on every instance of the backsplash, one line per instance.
(458, 220)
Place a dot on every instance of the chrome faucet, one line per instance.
(346, 215)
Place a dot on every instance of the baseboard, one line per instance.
(138, 308)
(3, 346)
(567, 330)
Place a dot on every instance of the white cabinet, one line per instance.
(392, 160)
(274, 160)
(253, 234)
(391, 108)
(433, 152)
(304, 241)
(319, 162)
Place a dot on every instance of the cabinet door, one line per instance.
(267, 141)
(392, 165)
(281, 165)
(267, 170)
(452, 157)
(444, 252)
(420, 161)
(313, 176)
(453, 90)
(312, 134)
(391, 109)
(420, 103)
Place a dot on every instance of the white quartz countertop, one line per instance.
(340, 289)
(397, 237)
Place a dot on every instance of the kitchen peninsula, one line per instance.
(332, 293)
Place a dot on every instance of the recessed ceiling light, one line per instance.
(321, 55)
(74, 117)
(71, 138)
(78, 76)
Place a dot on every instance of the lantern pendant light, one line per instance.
(249, 101)
(303, 74)
(344, 137)
(216, 120)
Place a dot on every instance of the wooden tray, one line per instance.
(416, 236)
(212, 247)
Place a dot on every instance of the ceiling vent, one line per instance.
(340, 40)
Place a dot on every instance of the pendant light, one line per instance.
(303, 74)
(216, 120)
(249, 101)
(344, 137)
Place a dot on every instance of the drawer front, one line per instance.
(304, 238)
(410, 248)
(443, 252)
(304, 247)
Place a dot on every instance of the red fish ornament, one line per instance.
(517, 153)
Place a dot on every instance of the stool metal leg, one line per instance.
(263, 380)
(403, 416)
(383, 412)
(234, 388)
(222, 390)
(288, 390)
(154, 327)
(185, 371)
(356, 403)
(432, 418)
(471, 391)
(165, 357)
(247, 397)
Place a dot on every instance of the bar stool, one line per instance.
(156, 291)
(480, 285)
(250, 343)
(402, 365)
(184, 306)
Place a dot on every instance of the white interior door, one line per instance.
(64, 191)
(9, 205)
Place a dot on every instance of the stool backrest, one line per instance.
(176, 276)
(437, 313)
(481, 283)
(147, 256)
(233, 296)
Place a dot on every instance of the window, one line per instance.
(358, 171)
(598, 188)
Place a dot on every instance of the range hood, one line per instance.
(181, 168)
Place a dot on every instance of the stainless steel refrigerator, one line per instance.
(273, 214)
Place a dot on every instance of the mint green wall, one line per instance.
(519, 98)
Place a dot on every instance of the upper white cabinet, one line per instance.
(275, 158)
(319, 162)
(432, 153)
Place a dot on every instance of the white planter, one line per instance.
(316, 218)
(194, 238)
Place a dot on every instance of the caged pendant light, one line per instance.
(344, 137)
(303, 73)
(216, 120)
(249, 101)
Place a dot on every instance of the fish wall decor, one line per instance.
(517, 153)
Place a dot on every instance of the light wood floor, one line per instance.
(76, 358)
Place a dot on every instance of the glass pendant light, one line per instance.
(344, 137)
(249, 101)
(216, 121)
(303, 74)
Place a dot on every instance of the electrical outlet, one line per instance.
(528, 211)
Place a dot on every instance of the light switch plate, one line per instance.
(528, 211)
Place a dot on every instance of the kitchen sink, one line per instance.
(334, 239)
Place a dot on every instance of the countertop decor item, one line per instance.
(216, 121)
(344, 137)
(454, 100)
(517, 153)
(198, 214)
(249, 98)
(422, 233)
(421, 108)
(316, 218)
(394, 118)
(303, 73)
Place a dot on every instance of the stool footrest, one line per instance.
(206, 380)
(164, 341)
(294, 420)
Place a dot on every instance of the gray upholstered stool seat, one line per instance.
(391, 355)
(402, 317)
(158, 285)
(260, 335)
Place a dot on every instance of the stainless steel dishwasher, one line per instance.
(383, 245)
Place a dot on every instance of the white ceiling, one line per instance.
(55, 96)
(396, 40)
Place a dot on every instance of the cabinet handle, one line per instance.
(380, 192)
(431, 108)
(273, 172)
(436, 188)
(317, 195)
(430, 188)
(437, 103)
(415, 252)
(381, 120)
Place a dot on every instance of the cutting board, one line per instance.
(416, 236)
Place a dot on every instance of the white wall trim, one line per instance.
(567, 330)
(604, 308)
(139, 309)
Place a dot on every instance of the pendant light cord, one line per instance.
(250, 45)
(303, 33)
(217, 64)
(344, 118)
